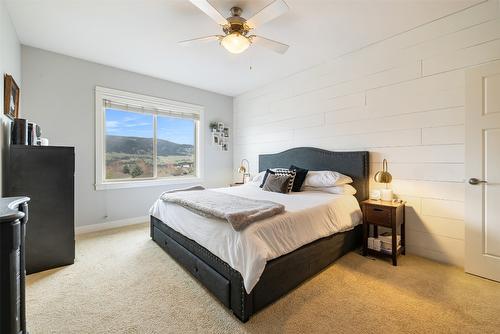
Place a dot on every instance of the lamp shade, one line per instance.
(242, 170)
(383, 176)
(235, 42)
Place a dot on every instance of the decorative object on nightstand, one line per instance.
(384, 176)
(385, 214)
(374, 194)
(244, 170)
(220, 135)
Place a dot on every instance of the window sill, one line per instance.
(146, 183)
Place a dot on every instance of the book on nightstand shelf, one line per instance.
(389, 251)
(383, 243)
(386, 241)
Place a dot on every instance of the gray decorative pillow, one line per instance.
(291, 173)
(277, 183)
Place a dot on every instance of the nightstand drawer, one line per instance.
(378, 215)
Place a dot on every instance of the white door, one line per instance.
(482, 171)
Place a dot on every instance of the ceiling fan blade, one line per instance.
(200, 40)
(268, 13)
(270, 44)
(210, 10)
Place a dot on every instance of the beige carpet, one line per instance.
(122, 282)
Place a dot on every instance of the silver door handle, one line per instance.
(475, 181)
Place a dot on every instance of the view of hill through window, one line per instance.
(130, 141)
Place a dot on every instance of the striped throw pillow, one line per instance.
(284, 171)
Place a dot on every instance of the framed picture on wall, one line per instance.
(220, 135)
(11, 97)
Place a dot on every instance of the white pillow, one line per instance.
(259, 177)
(345, 189)
(325, 178)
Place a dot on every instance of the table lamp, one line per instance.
(244, 169)
(384, 176)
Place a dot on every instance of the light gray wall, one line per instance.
(58, 94)
(10, 49)
(10, 63)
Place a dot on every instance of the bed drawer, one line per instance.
(211, 279)
(378, 215)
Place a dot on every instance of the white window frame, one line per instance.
(148, 102)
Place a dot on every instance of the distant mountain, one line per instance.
(138, 145)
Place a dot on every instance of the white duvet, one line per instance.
(310, 215)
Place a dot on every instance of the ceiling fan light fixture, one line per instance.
(235, 42)
(236, 28)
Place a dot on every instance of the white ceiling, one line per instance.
(141, 35)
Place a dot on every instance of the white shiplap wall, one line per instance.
(402, 99)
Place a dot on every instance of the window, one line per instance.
(142, 140)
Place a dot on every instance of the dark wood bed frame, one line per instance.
(287, 271)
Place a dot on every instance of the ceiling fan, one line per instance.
(236, 38)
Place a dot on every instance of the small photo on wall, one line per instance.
(220, 126)
(225, 147)
(226, 132)
(215, 139)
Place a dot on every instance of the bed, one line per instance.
(248, 270)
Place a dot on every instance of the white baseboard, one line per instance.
(111, 224)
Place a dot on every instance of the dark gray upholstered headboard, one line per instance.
(353, 164)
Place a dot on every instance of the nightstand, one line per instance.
(386, 214)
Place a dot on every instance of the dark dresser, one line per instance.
(46, 175)
(13, 218)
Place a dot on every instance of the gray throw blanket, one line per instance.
(238, 211)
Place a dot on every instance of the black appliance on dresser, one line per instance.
(13, 218)
(46, 175)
